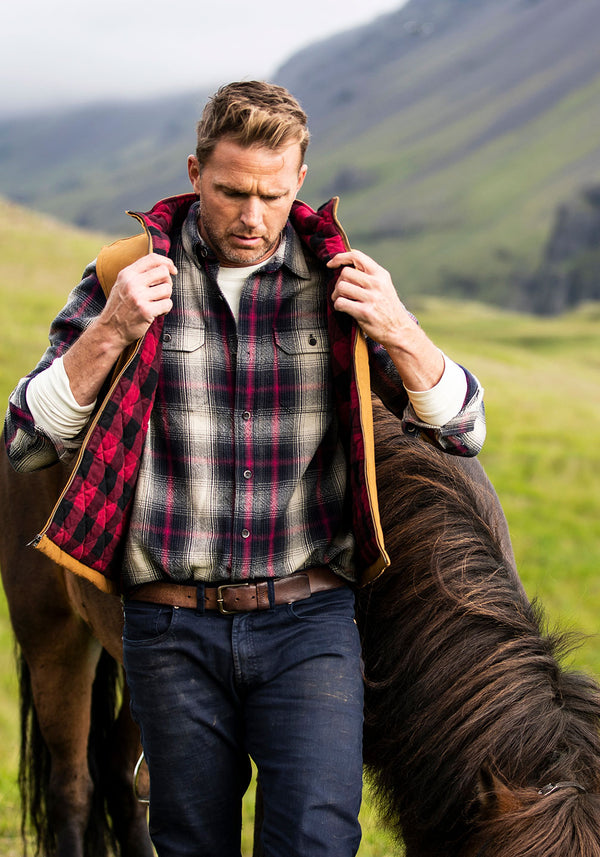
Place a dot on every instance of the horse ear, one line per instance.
(485, 787)
(495, 797)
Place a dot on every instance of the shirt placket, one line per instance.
(251, 332)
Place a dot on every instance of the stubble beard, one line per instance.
(231, 255)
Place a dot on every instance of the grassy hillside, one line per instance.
(542, 380)
(40, 260)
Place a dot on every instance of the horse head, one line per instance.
(558, 820)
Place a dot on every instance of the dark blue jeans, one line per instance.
(283, 687)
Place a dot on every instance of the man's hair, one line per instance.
(251, 113)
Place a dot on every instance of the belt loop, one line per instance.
(200, 603)
(271, 591)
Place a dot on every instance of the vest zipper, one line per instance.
(36, 540)
(371, 488)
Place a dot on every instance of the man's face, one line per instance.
(245, 198)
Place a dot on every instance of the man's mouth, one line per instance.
(249, 239)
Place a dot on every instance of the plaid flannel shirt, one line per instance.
(263, 423)
(243, 474)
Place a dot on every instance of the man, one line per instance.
(219, 401)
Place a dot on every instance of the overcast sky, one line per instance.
(75, 51)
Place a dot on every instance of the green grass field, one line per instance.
(542, 380)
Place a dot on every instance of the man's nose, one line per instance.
(251, 214)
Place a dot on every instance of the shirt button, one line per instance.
(246, 415)
(167, 337)
(245, 533)
(247, 474)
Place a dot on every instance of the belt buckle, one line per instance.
(221, 600)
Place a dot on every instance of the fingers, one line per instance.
(141, 293)
(350, 278)
(365, 291)
(151, 270)
(154, 261)
(354, 259)
(359, 276)
(359, 272)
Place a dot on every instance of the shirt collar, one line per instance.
(289, 252)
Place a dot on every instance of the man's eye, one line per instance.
(238, 194)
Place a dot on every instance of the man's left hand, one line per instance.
(365, 291)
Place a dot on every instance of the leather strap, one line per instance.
(241, 597)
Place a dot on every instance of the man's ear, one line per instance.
(194, 172)
(301, 176)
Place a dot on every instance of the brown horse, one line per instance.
(79, 744)
(479, 743)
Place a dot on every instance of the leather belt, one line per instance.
(241, 597)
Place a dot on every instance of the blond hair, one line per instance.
(251, 113)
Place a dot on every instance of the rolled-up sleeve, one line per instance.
(463, 434)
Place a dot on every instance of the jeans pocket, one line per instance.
(146, 623)
(336, 604)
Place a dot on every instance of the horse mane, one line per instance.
(464, 683)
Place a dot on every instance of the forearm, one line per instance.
(89, 361)
(29, 446)
(444, 401)
(52, 405)
(418, 361)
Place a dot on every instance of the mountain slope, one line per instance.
(456, 127)
(451, 129)
(89, 165)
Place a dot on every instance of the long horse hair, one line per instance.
(34, 764)
(469, 715)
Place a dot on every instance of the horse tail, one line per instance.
(34, 767)
(34, 763)
(100, 838)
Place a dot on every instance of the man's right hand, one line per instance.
(142, 292)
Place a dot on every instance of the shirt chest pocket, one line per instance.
(303, 367)
(186, 339)
(184, 369)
